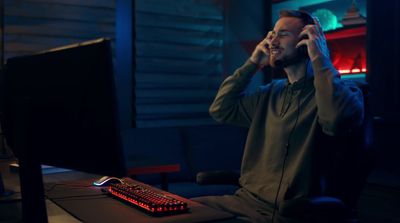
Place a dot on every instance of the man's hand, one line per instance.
(315, 41)
(261, 54)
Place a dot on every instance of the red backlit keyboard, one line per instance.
(147, 199)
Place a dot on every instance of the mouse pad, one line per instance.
(90, 204)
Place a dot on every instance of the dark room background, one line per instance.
(171, 55)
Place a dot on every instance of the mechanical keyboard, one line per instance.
(147, 199)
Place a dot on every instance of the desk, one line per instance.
(146, 168)
(89, 204)
(56, 214)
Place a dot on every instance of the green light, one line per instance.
(353, 76)
(327, 19)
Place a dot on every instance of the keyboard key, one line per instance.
(147, 199)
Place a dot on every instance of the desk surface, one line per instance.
(89, 204)
(57, 213)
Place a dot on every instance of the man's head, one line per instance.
(285, 36)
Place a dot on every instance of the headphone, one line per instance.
(307, 20)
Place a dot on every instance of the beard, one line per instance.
(288, 60)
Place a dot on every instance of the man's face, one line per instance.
(285, 36)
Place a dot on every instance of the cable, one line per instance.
(287, 146)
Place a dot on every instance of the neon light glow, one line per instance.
(147, 199)
(348, 51)
(130, 200)
(353, 76)
(352, 71)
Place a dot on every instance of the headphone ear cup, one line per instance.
(303, 51)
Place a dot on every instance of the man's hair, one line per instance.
(305, 17)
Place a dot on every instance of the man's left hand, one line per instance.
(315, 41)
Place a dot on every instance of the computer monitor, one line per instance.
(62, 102)
(60, 109)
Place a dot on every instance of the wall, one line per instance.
(36, 25)
(383, 34)
(178, 61)
(245, 26)
(383, 58)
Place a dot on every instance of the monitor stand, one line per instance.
(30, 172)
(32, 191)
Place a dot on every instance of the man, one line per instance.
(285, 156)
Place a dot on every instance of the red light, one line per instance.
(352, 71)
(158, 204)
(131, 200)
(344, 71)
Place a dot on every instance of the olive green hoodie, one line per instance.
(285, 121)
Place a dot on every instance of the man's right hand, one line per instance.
(261, 54)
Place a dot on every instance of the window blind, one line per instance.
(178, 62)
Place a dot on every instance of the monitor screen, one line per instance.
(60, 106)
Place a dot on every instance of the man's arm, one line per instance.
(340, 106)
(231, 105)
